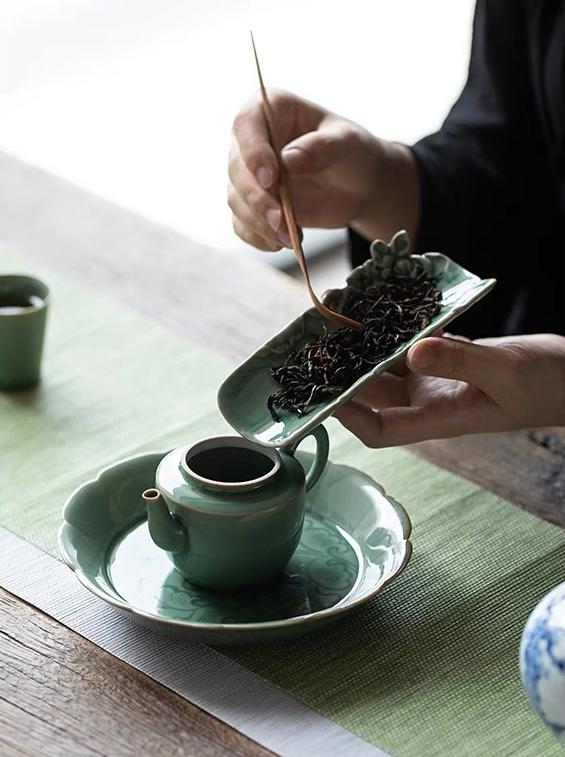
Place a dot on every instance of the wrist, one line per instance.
(393, 202)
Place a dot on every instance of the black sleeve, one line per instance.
(483, 177)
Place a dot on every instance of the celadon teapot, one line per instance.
(229, 512)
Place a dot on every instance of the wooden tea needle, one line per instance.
(288, 209)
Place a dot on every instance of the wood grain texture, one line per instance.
(63, 695)
(524, 467)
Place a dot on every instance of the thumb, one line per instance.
(476, 364)
(311, 152)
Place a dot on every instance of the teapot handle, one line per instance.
(322, 452)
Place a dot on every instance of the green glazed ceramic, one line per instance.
(354, 542)
(23, 314)
(242, 398)
(228, 512)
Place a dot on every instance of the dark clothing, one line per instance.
(493, 178)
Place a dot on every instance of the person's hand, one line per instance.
(339, 174)
(450, 387)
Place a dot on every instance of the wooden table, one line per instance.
(44, 666)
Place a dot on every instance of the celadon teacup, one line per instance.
(24, 302)
(229, 512)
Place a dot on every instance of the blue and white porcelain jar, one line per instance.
(542, 660)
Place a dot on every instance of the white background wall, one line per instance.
(133, 99)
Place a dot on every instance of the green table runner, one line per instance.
(431, 666)
(114, 384)
(428, 668)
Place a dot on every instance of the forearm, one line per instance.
(394, 202)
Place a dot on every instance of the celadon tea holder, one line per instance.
(243, 398)
(228, 512)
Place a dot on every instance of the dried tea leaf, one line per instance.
(393, 309)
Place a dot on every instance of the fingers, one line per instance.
(257, 216)
(390, 427)
(386, 390)
(256, 212)
(253, 168)
(246, 234)
(448, 335)
(400, 367)
(250, 131)
(292, 117)
(479, 365)
(394, 426)
(248, 224)
(333, 140)
(313, 152)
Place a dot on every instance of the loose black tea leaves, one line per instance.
(392, 311)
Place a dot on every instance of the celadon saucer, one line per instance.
(355, 541)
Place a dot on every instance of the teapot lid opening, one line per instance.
(230, 463)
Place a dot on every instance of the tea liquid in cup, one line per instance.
(23, 314)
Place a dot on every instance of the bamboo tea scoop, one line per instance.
(288, 210)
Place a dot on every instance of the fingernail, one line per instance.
(285, 239)
(422, 359)
(274, 218)
(264, 177)
(291, 151)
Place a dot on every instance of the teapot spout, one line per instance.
(166, 530)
